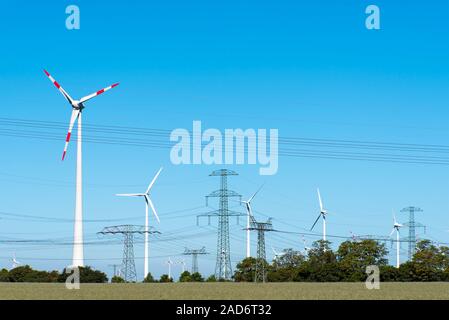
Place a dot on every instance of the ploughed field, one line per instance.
(244, 291)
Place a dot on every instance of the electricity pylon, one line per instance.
(223, 269)
(128, 268)
(412, 225)
(261, 228)
(194, 253)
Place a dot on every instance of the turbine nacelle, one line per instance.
(77, 105)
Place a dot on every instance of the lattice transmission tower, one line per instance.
(261, 228)
(223, 269)
(128, 267)
(194, 253)
(412, 226)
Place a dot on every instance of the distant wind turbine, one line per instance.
(169, 262)
(148, 202)
(15, 263)
(323, 213)
(278, 255)
(306, 248)
(249, 215)
(396, 227)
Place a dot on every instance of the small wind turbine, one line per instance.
(396, 227)
(148, 202)
(15, 263)
(77, 110)
(323, 213)
(278, 254)
(249, 215)
(169, 262)
(353, 236)
(183, 265)
(306, 248)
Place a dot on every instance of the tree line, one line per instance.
(348, 264)
(319, 264)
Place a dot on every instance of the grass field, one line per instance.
(224, 291)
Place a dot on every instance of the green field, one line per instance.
(244, 291)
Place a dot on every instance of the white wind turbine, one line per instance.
(183, 265)
(15, 263)
(77, 109)
(148, 202)
(249, 216)
(396, 227)
(306, 248)
(278, 255)
(169, 262)
(323, 213)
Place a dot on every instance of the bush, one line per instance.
(4, 275)
(117, 279)
(197, 277)
(185, 277)
(149, 278)
(165, 279)
(211, 278)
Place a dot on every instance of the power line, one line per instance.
(293, 143)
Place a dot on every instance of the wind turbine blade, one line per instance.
(274, 251)
(64, 93)
(319, 198)
(392, 231)
(394, 217)
(250, 199)
(154, 180)
(84, 99)
(73, 118)
(315, 222)
(152, 208)
(129, 195)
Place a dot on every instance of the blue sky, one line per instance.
(310, 69)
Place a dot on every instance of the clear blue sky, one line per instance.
(310, 69)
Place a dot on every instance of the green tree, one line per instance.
(165, 278)
(389, 273)
(149, 278)
(185, 277)
(27, 274)
(322, 264)
(197, 277)
(4, 277)
(286, 267)
(354, 256)
(429, 263)
(245, 270)
(117, 279)
(211, 278)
